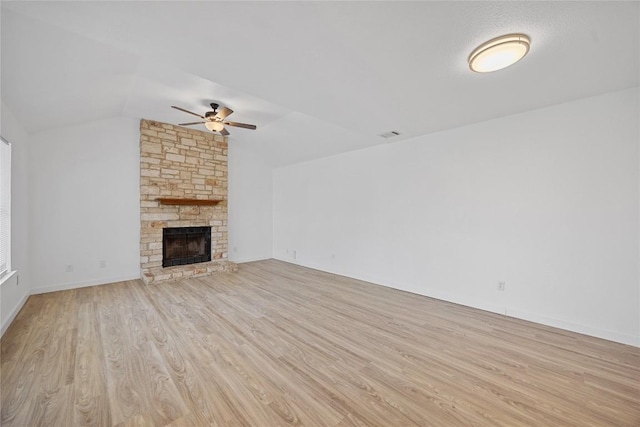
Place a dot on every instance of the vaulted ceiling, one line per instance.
(318, 78)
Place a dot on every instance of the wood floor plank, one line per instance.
(280, 345)
(125, 398)
(90, 384)
(144, 377)
(24, 323)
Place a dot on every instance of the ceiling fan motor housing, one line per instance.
(211, 114)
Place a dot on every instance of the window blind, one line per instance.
(5, 207)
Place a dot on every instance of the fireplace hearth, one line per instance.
(185, 245)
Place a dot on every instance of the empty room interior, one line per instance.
(343, 213)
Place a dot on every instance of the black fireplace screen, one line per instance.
(185, 245)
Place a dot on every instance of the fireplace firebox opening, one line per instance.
(185, 245)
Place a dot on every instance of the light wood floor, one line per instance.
(276, 344)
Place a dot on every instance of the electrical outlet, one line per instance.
(295, 255)
(501, 286)
(69, 268)
(103, 264)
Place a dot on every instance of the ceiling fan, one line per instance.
(214, 120)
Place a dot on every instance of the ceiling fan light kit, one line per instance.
(214, 120)
(214, 126)
(499, 53)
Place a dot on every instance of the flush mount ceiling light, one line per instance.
(499, 53)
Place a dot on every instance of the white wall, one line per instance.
(85, 204)
(546, 201)
(15, 290)
(250, 205)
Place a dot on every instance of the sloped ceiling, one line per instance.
(318, 78)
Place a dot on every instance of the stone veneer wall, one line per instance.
(181, 163)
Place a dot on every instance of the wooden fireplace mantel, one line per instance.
(193, 202)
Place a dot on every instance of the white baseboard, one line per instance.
(431, 293)
(13, 314)
(575, 327)
(250, 259)
(519, 314)
(82, 284)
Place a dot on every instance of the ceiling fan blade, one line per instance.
(190, 123)
(224, 132)
(187, 111)
(224, 112)
(241, 125)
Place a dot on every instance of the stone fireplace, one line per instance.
(183, 202)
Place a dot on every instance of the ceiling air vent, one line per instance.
(389, 134)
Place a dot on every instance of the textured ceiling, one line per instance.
(317, 78)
